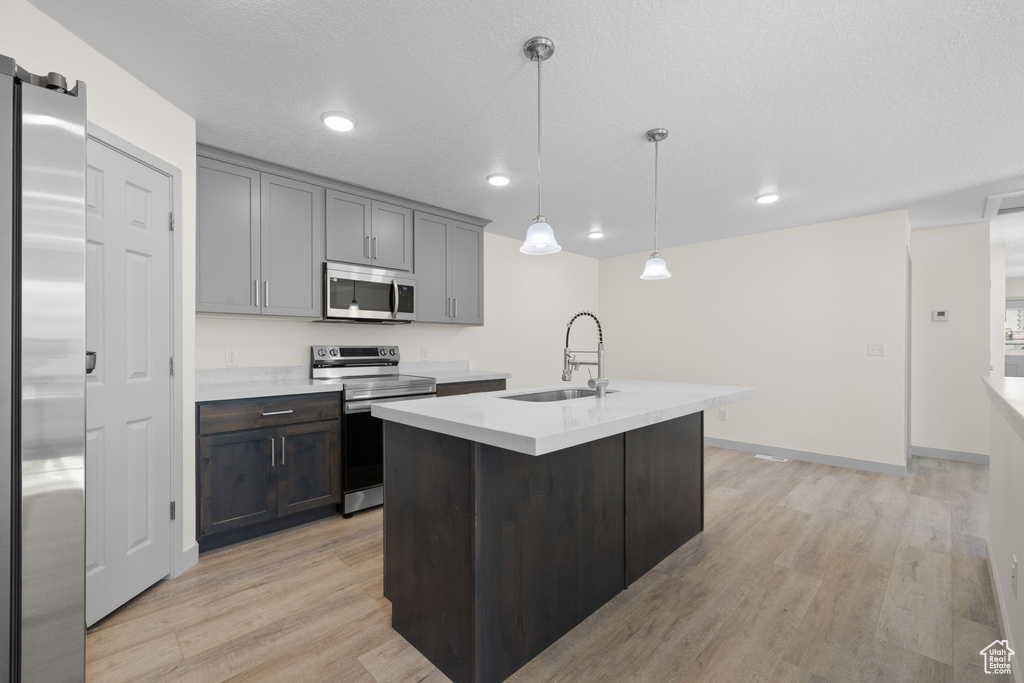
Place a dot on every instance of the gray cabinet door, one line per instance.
(431, 246)
(292, 232)
(227, 238)
(348, 228)
(391, 236)
(466, 269)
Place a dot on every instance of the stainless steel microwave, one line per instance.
(372, 295)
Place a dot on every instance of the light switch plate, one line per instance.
(876, 348)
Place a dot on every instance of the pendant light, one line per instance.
(656, 268)
(540, 238)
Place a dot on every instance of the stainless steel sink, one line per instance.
(555, 395)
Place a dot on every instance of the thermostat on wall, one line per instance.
(940, 316)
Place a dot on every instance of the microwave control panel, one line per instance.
(406, 299)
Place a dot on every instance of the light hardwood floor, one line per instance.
(803, 573)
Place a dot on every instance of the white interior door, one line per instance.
(128, 395)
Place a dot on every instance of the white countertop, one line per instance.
(235, 383)
(1009, 391)
(539, 428)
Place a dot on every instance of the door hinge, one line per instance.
(172, 509)
(172, 365)
(170, 221)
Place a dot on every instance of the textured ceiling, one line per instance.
(846, 108)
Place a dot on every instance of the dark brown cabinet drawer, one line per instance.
(258, 413)
(457, 388)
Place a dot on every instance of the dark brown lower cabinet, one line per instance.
(475, 387)
(237, 480)
(254, 481)
(491, 555)
(308, 476)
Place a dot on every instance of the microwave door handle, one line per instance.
(394, 299)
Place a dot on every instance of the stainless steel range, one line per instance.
(365, 375)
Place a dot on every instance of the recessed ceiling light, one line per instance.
(498, 179)
(595, 233)
(767, 198)
(335, 120)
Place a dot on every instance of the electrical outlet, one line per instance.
(876, 348)
(1013, 574)
(424, 354)
(723, 414)
(230, 358)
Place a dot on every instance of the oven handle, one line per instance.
(353, 407)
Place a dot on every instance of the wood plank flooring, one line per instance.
(804, 573)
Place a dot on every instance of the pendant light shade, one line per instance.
(540, 238)
(655, 269)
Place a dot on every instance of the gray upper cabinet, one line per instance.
(259, 242)
(391, 236)
(368, 232)
(466, 268)
(433, 303)
(348, 228)
(449, 271)
(228, 238)
(292, 218)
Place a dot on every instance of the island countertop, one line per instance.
(540, 428)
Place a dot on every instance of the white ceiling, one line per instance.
(847, 108)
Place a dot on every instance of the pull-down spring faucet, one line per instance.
(569, 362)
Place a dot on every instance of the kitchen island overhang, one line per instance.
(507, 523)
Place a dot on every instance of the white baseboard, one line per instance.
(944, 454)
(1004, 626)
(820, 458)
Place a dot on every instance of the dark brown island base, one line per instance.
(491, 555)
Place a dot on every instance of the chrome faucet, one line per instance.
(569, 362)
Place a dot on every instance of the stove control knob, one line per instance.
(321, 352)
(334, 352)
(383, 352)
(392, 352)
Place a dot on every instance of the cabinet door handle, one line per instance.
(456, 300)
(256, 286)
(266, 293)
(279, 412)
(282, 448)
(374, 247)
(448, 307)
(273, 454)
(366, 247)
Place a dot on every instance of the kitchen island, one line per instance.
(507, 522)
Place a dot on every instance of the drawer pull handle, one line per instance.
(279, 412)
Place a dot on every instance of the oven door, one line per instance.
(367, 294)
(363, 454)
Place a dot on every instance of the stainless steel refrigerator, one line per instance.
(42, 376)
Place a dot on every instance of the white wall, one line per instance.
(789, 312)
(997, 313)
(126, 107)
(949, 409)
(1014, 286)
(527, 302)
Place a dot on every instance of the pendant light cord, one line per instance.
(656, 142)
(540, 212)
